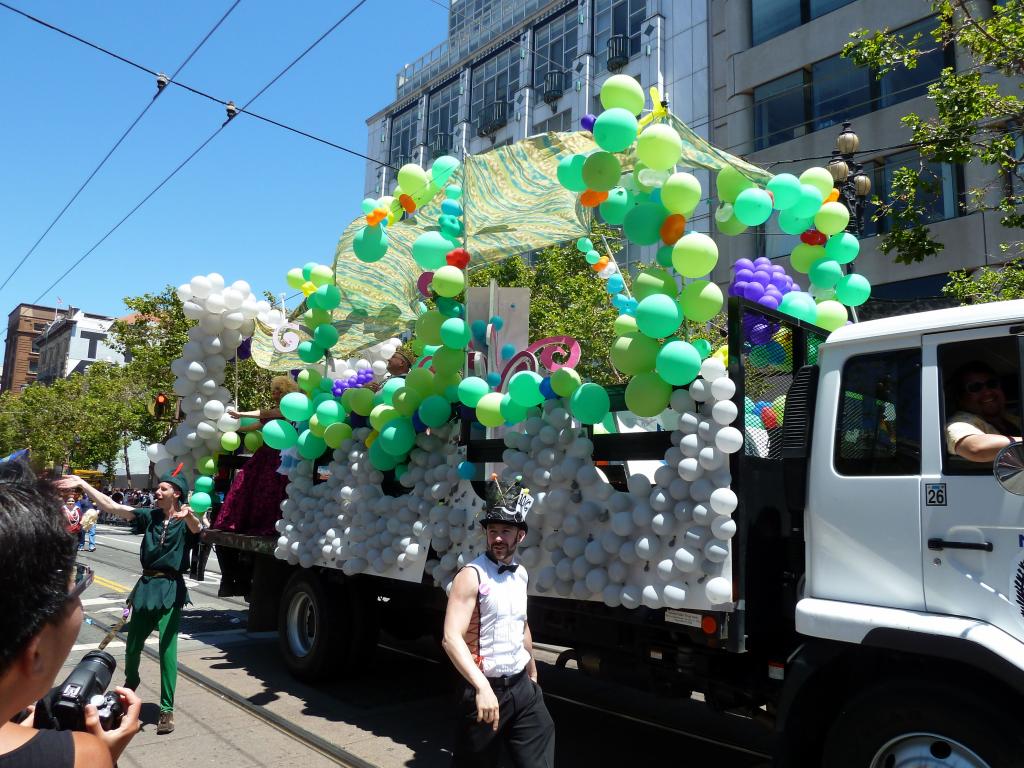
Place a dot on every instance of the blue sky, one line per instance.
(257, 201)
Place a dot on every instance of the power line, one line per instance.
(117, 143)
(197, 150)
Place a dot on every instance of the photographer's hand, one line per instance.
(117, 739)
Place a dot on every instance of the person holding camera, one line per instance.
(39, 622)
(160, 593)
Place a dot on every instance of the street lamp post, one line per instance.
(853, 184)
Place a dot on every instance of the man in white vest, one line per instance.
(488, 640)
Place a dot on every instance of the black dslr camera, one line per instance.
(63, 708)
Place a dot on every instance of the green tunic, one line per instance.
(160, 592)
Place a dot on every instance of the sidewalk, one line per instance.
(209, 731)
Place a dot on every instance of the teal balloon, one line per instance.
(664, 256)
(391, 386)
(380, 459)
(753, 206)
(295, 406)
(328, 297)
(601, 171)
(280, 434)
(456, 333)
(435, 411)
(511, 411)
(614, 209)
(808, 203)
(368, 205)
(658, 316)
(799, 305)
(330, 412)
(642, 224)
(397, 437)
(310, 446)
(450, 307)
(471, 389)
(584, 244)
(678, 363)
(200, 501)
(785, 188)
(325, 336)
(615, 129)
(442, 169)
(370, 244)
(524, 388)
(792, 224)
(853, 290)
(843, 247)
(590, 403)
(430, 249)
(309, 351)
(570, 173)
(592, 257)
(205, 484)
(825, 273)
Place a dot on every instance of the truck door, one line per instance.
(973, 530)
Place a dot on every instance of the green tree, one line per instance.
(987, 284)
(977, 117)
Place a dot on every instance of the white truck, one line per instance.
(877, 579)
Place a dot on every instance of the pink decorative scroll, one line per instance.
(565, 348)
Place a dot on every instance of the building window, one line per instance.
(780, 110)
(902, 84)
(403, 137)
(560, 122)
(770, 18)
(443, 112)
(495, 80)
(878, 431)
(941, 196)
(840, 91)
(485, 19)
(554, 47)
(33, 365)
(617, 17)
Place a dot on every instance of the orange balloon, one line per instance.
(672, 228)
(832, 196)
(601, 264)
(407, 203)
(592, 198)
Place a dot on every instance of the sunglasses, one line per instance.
(83, 575)
(976, 386)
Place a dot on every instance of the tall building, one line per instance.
(516, 68)
(21, 362)
(781, 92)
(73, 342)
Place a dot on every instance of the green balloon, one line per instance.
(653, 280)
(634, 353)
(450, 307)
(659, 146)
(642, 224)
(664, 256)
(455, 333)
(832, 218)
(397, 437)
(308, 380)
(853, 290)
(488, 410)
(253, 441)
(325, 336)
(647, 394)
(428, 327)
(310, 351)
(808, 203)
(321, 274)
(570, 173)
(205, 484)
(799, 305)
(785, 188)
(825, 273)
(678, 363)
(565, 381)
(230, 441)
(207, 465)
(430, 250)
(701, 300)
(524, 388)
(310, 446)
(420, 380)
(614, 209)
(315, 317)
(435, 411)
(842, 247)
(830, 315)
(729, 183)
(336, 434)
(328, 297)
(680, 193)
(804, 256)
(615, 129)
(330, 412)
(729, 225)
(511, 411)
(295, 278)
(361, 400)
(279, 434)
(601, 171)
(295, 406)
(703, 347)
(694, 255)
(391, 386)
(381, 415)
(590, 403)
(819, 178)
(200, 502)
(658, 316)
(792, 224)
(624, 324)
(448, 281)
(449, 360)
(624, 92)
(406, 401)
(380, 459)
(471, 389)
(370, 244)
(753, 206)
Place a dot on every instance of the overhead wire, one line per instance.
(124, 135)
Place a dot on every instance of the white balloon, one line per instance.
(184, 292)
(232, 299)
(184, 386)
(200, 287)
(192, 311)
(712, 369)
(724, 501)
(718, 590)
(724, 411)
(216, 281)
(212, 345)
(723, 527)
(195, 371)
(211, 323)
(729, 440)
(228, 423)
(723, 388)
(233, 320)
(213, 410)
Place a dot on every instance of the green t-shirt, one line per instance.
(160, 592)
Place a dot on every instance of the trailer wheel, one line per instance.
(310, 629)
(921, 724)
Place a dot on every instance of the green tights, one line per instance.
(139, 628)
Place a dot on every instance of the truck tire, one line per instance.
(311, 629)
(913, 722)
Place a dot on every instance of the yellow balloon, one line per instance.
(372, 436)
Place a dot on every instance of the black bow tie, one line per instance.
(512, 568)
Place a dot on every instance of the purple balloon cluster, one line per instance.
(360, 379)
(761, 281)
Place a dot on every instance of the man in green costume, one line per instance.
(160, 592)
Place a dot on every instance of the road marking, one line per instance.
(111, 584)
(101, 600)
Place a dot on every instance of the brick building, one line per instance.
(21, 362)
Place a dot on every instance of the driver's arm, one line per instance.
(981, 447)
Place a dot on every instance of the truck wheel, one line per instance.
(310, 630)
(924, 725)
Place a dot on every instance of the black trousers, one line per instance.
(524, 727)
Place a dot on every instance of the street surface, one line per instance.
(241, 708)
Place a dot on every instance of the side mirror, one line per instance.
(1008, 468)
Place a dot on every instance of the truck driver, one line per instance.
(981, 426)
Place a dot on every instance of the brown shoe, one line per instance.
(166, 723)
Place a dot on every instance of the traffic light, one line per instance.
(159, 406)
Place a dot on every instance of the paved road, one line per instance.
(397, 714)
